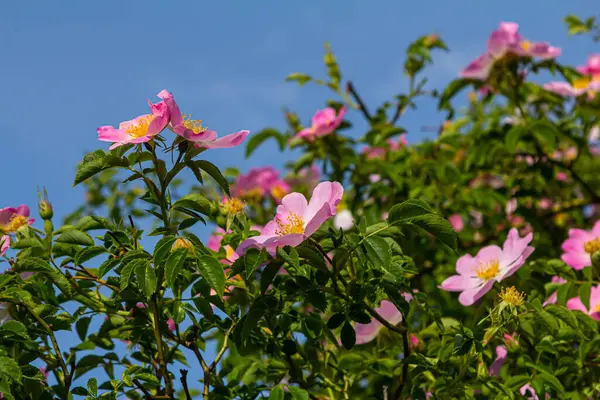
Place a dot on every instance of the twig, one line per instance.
(213, 365)
(164, 372)
(139, 386)
(361, 105)
(184, 383)
(398, 393)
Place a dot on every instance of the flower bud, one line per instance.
(45, 208)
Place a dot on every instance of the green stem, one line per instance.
(163, 371)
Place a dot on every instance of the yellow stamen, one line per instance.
(581, 83)
(294, 225)
(526, 45)
(229, 252)
(592, 246)
(512, 296)
(140, 127)
(195, 125)
(278, 192)
(253, 194)
(488, 271)
(16, 221)
(597, 308)
(234, 205)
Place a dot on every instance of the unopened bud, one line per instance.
(233, 205)
(45, 208)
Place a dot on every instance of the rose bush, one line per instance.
(336, 278)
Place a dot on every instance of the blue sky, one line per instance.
(70, 66)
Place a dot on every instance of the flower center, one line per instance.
(253, 194)
(512, 296)
(16, 221)
(294, 225)
(581, 83)
(526, 45)
(592, 246)
(278, 192)
(140, 127)
(234, 205)
(229, 252)
(182, 243)
(194, 125)
(488, 271)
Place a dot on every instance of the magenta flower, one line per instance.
(138, 130)
(580, 246)
(171, 324)
(256, 183)
(561, 176)
(323, 123)
(532, 394)
(457, 222)
(214, 244)
(495, 367)
(4, 244)
(592, 66)
(380, 151)
(297, 219)
(192, 129)
(367, 332)
(552, 298)
(476, 275)
(579, 87)
(11, 219)
(576, 304)
(504, 41)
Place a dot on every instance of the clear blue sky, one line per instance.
(70, 66)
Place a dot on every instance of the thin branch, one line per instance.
(139, 386)
(184, 383)
(213, 365)
(164, 372)
(361, 105)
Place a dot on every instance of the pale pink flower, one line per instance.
(532, 394)
(171, 324)
(4, 244)
(594, 140)
(11, 219)
(511, 206)
(592, 66)
(580, 246)
(374, 178)
(138, 130)
(594, 311)
(324, 122)
(192, 129)
(476, 275)
(561, 176)
(367, 332)
(297, 219)
(579, 87)
(457, 222)
(495, 367)
(214, 244)
(545, 203)
(552, 298)
(504, 41)
(343, 220)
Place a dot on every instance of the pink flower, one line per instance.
(456, 221)
(4, 244)
(307, 176)
(561, 176)
(545, 203)
(214, 244)
(580, 246)
(579, 87)
(192, 129)
(367, 332)
(279, 189)
(592, 66)
(553, 296)
(380, 151)
(594, 140)
(511, 206)
(576, 304)
(414, 342)
(171, 324)
(256, 183)
(499, 361)
(476, 275)
(506, 40)
(533, 395)
(44, 373)
(138, 130)
(296, 219)
(323, 123)
(11, 219)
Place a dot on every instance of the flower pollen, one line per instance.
(278, 192)
(294, 225)
(182, 243)
(488, 271)
(195, 125)
(140, 127)
(512, 296)
(592, 246)
(581, 83)
(234, 205)
(16, 221)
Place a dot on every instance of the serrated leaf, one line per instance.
(81, 326)
(174, 264)
(93, 222)
(33, 264)
(564, 315)
(96, 162)
(378, 251)
(107, 266)
(512, 138)
(163, 249)
(10, 369)
(215, 173)
(128, 271)
(291, 258)
(298, 393)
(195, 202)
(75, 236)
(146, 278)
(87, 253)
(277, 393)
(92, 387)
(212, 271)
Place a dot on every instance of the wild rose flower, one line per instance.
(561, 176)
(594, 311)
(11, 219)
(4, 244)
(343, 220)
(580, 246)
(367, 332)
(256, 183)
(504, 41)
(545, 203)
(324, 122)
(192, 129)
(414, 343)
(297, 219)
(138, 130)
(380, 151)
(579, 87)
(592, 66)
(552, 298)
(495, 367)
(279, 189)
(457, 222)
(476, 275)
(214, 244)
(532, 394)
(171, 324)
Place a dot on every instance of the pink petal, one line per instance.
(366, 332)
(231, 140)
(110, 134)
(388, 310)
(329, 193)
(489, 253)
(313, 224)
(577, 260)
(471, 295)
(576, 304)
(499, 361)
(563, 89)
(456, 283)
(478, 68)
(4, 244)
(466, 265)
(293, 202)
(596, 229)
(574, 244)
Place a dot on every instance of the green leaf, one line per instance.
(514, 383)
(564, 315)
(92, 387)
(81, 326)
(277, 393)
(96, 162)
(93, 222)
(10, 369)
(75, 236)
(87, 253)
(214, 172)
(144, 376)
(585, 291)
(451, 90)
(107, 266)
(128, 270)
(292, 258)
(302, 79)
(408, 209)
(512, 137)
(552, 381)
(252, 259)
(378, 251)
(80, 391)
(33, 264)
(212, 271)
(174, 264)
(163, 249)
(257, 138)
(348, 336)
(297, 393)
(146, 278)
(194, 201)
(336, 320)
